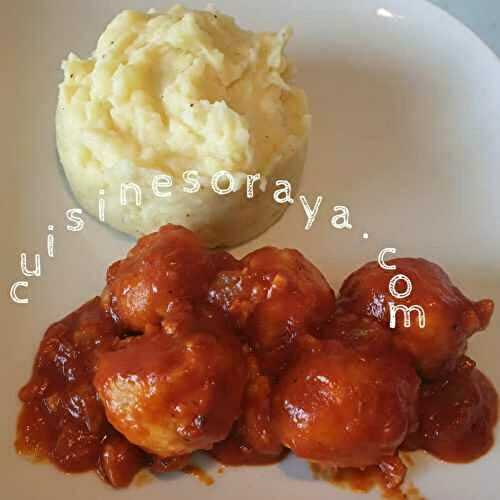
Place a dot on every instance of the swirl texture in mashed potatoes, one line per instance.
(164, 93)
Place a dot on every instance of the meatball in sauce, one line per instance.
(274, 296)
(173, 394)
(451, 318)
(191, 350)
(340, 407)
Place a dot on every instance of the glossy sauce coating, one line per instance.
(165, 268)
(234, 451)
(457, 415)
(190, 350)
(169, 393)
(342, 408)
(369, 478)
(275, 296)
(120, 460)
(62, 418)
(359, 333)
(253, 439)
(256, 426)
(451, 318)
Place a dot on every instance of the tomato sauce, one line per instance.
(457, 416)
(62, 419)
(233, 451)
(262, 314)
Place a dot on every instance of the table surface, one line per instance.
(481, 16)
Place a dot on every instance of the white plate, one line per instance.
(406, 109)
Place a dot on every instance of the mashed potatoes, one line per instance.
(166, 93)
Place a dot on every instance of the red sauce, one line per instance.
(62, 419)
(161, 465)
(358, 480)
(457, 416)
(120, 460)
(233, 451)
(365, 480)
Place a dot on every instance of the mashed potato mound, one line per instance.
(165, 93)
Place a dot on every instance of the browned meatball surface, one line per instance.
(274, 296)
(358, 332)
(342, 408)
(451, 318)
(172, 394)
(164, 268)
(189, 349)
(457, 415)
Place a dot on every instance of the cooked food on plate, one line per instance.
(191, 350)
(346, 407)
(451, 318)
(175, 393)
(275, 297)
(167, 101)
